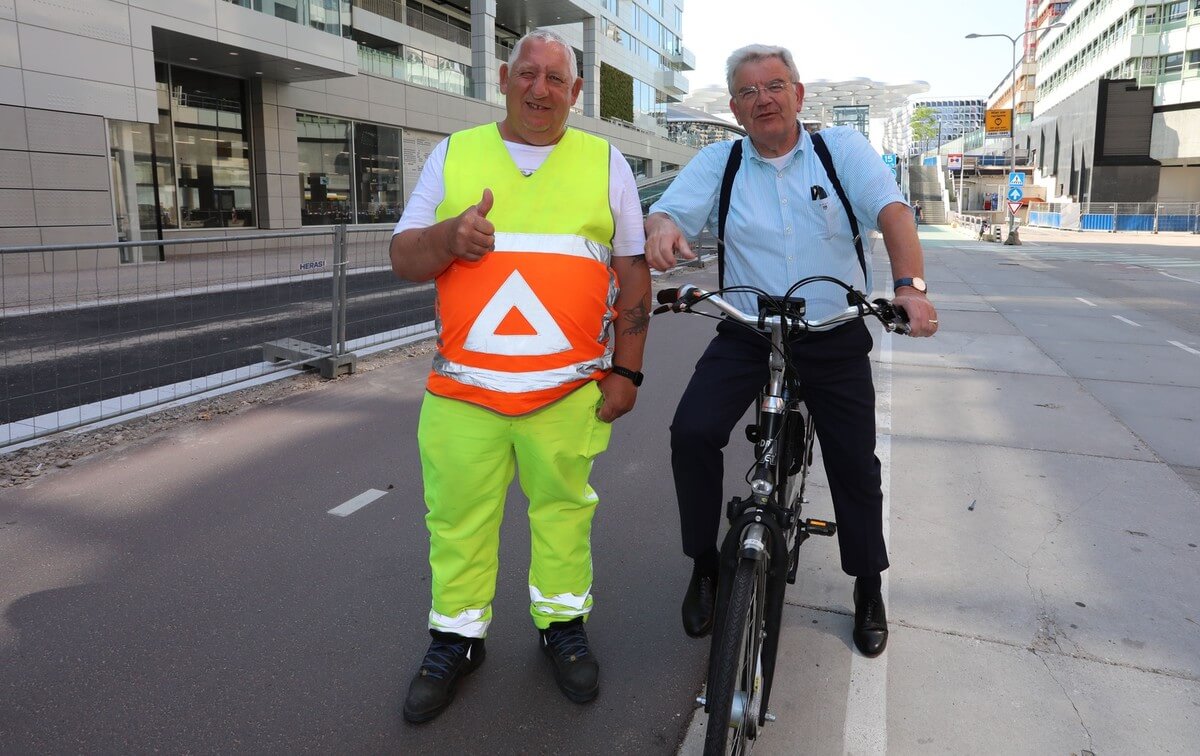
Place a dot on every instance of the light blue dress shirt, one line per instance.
(776, 233)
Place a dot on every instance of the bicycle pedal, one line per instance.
(820, 527)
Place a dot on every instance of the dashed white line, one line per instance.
(1089, 304)
(1184, 347)
(348, 508)
(1127, 320)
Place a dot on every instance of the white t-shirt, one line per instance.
(629, 236)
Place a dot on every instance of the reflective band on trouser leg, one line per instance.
(467, 466)
(555, 448)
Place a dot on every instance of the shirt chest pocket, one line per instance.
(827, 217)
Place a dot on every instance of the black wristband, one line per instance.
(632, 375)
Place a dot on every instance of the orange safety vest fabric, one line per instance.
(531, 321)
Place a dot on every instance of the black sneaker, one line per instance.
(449, 657)
(575, 668)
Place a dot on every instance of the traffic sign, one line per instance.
(889, 158)
(954, 161)
(1015, 194)
(1013, 207)
(1016, 179)
(998, 122)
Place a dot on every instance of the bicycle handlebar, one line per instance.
(685, 297)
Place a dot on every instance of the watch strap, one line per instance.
(906, 282)
(633, 375)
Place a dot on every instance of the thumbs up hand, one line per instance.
(474, 235)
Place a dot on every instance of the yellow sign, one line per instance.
(998, 122)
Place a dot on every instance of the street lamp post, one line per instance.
(1012, 124)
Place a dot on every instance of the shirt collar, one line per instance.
(801, 145)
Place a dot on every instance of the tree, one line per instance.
(924, 125)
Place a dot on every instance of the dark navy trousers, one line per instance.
(835, 373)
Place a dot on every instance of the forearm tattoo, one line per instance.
(637, 319)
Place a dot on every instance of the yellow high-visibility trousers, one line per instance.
(468, 457)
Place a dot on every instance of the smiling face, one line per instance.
(539, 88)
(769, 118)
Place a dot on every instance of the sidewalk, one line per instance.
(1042, 595)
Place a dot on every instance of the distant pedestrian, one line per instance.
(918, 215)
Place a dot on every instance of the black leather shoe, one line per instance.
(870, 622)
(449, 658)
(575, 668)
(699, 604)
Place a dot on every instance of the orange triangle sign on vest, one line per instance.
(515, 322)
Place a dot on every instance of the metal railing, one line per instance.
(1147, 217)
(86, 338)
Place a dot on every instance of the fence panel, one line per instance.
(86, 338)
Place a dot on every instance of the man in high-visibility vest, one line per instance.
(533, 235)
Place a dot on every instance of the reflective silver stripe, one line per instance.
(561, 244)
(562, 604)
(517, 383)
(469, 623)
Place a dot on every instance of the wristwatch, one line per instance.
(915, 282)
(632, 375)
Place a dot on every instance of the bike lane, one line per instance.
(195, 593)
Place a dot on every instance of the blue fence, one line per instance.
(1145, 217)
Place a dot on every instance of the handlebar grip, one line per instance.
(668, 296)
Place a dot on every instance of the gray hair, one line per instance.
(752, 53)
(547, 37)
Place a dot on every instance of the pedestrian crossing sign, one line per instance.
(1016, 179)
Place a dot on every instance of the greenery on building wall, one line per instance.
(616, 93)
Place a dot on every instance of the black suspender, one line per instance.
(731, 169)
(827, 161)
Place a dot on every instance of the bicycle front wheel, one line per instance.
(736, 694)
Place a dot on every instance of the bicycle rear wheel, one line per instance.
(736, 694)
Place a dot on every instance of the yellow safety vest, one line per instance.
(532, 320)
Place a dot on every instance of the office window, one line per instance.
(324, 169)
(377, 173)
(1175, 11)
(212, 151)
(1172, 63)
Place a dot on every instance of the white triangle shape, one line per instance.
(515, 292)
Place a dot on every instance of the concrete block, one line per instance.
(66, 133)
(354, 87)
(12, 86)
(46, 50)
(345, 107)
(79, 234)
(58, 171)
(56, 207)
(106, 20)
(54, 92)
(10, 49)
(19, 237)
(12, 128)
(14, 170)
(17, 208)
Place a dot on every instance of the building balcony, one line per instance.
(332, 16)
(438, 25)
(684, 58)
(671, 82)
(439, 74)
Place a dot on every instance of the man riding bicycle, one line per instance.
(785, 222)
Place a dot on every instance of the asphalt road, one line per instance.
(55, 361)
(194, 594)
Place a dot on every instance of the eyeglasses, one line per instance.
(748, 95)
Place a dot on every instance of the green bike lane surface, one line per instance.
(193, 593)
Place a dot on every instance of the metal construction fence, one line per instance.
(1148, 217)
(85, 337)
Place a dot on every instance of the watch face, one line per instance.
(919, 284)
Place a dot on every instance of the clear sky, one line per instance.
(885, 40)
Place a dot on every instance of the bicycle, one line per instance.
(760, 552)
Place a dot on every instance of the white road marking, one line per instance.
(1184, 347)
(348, 508)
(1089, 304)
(865, 730)
(1179, 278)
(1127, 320)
